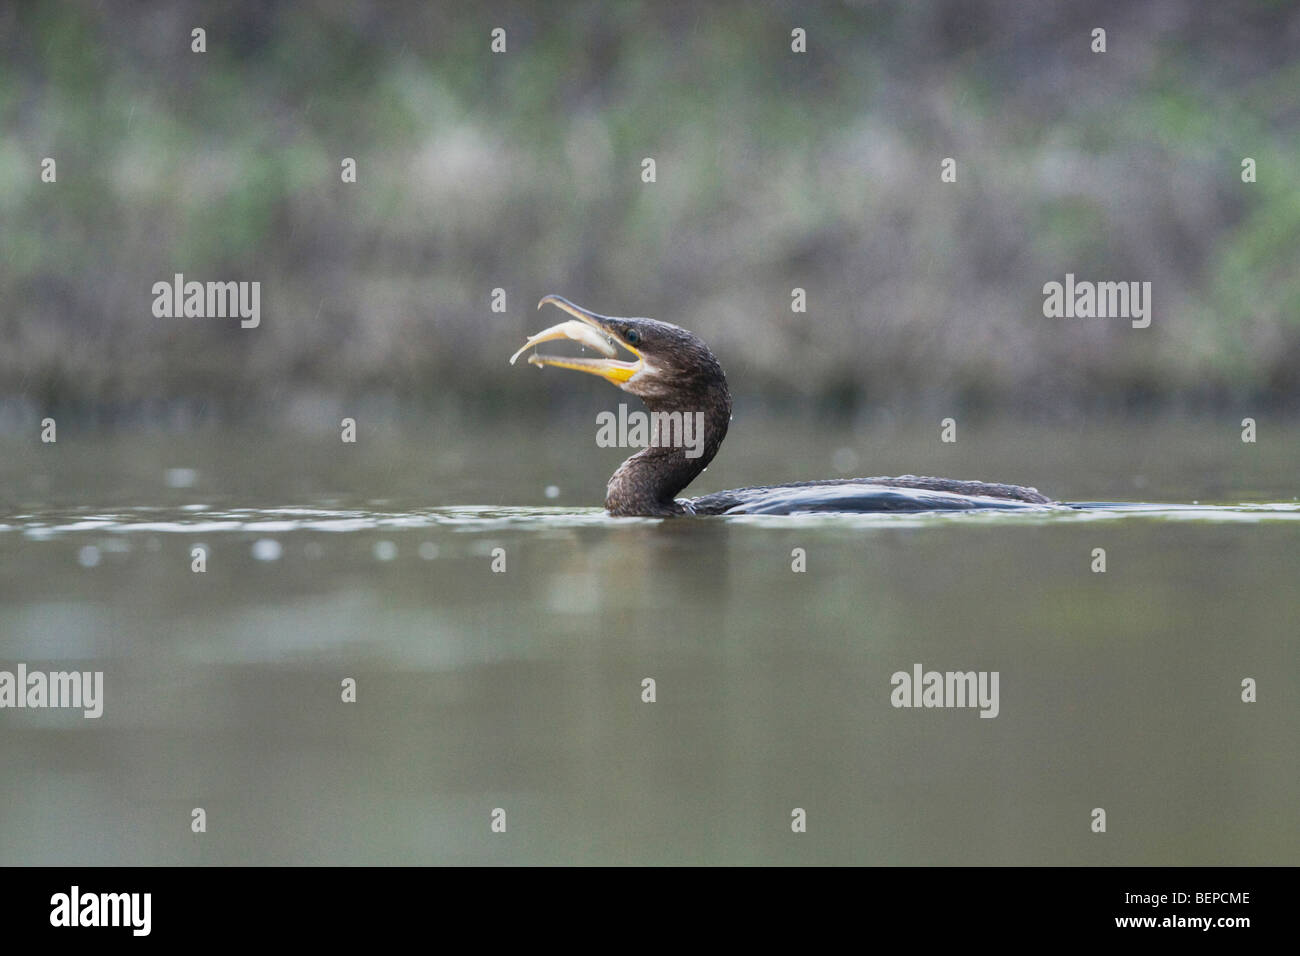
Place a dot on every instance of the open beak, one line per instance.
(591, 330)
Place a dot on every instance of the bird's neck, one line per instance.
(685, 434)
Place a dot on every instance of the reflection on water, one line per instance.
(499, 650)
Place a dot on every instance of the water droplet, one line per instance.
(844, 460)
(88, 556)
(180, 477)
(385, 550)
(552, 491)
(267, 549)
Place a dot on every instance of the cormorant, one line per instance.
(673, 371)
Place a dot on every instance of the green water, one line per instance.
(522, 689)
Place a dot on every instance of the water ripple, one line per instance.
(197, 519)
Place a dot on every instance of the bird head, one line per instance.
(667, 364)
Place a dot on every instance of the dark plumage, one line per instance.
(675, 372)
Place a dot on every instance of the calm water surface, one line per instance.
(522, 689)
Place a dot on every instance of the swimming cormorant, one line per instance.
(677, 376)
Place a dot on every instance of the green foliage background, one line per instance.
(775, 170)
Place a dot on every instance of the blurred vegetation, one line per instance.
(775, 170)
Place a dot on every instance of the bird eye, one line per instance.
(632, 337)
